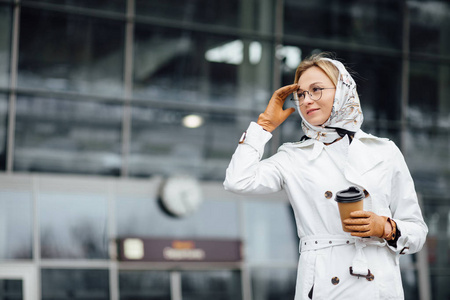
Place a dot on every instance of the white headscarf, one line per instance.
(346, 112)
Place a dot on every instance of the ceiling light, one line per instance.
(192, 121)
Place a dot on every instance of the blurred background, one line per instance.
(102, 101)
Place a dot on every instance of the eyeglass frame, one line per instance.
(295, 95)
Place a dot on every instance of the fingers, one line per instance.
(360, 214)
(285, 91)
(361, 234)
(361, 228)
(287, 112)
(358, 218)
(359, 222)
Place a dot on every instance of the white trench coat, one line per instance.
(311, 174)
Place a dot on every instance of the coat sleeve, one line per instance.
(246, 172)
(405, 208)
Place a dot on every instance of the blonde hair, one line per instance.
(316, 60)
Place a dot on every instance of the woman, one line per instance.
(334, 154)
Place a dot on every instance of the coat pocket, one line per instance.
(332, 278)
(390, 282)
(305, 275)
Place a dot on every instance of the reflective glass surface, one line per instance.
(5, 44)
(439, 286)
(163, 144)
(105, 5)
(73, 226)
(428, 156)
(56, 135)
(190, 67)
(273, 283)
(16, 221)
(249, 15)
(75, 284)
(437, 216)
(144, 285)
(428, 139)
(429, 21)
(206, 285)
(409, 277)
(270, 232)
(11, 289)
(70, 53)
(429, 91)
(139, 216)
(376, 23)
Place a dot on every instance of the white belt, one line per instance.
(359, 265)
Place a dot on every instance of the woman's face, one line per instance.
(316, 112)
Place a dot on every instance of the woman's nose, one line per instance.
(308, 99)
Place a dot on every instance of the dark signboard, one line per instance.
(179, 250)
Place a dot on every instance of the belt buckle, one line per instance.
(369, 275)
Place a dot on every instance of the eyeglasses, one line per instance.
(315, 94)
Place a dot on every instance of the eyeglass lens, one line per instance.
(314, 94)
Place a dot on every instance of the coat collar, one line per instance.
(359, 151)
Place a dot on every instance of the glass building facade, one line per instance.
(97, 100)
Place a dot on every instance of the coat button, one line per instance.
(335, 280)
(328, 194)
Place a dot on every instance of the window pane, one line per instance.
(16, 223)
(105, 5)
(270, 232)
(5, 44)
(376, 23)
(429, 91)
(75, 284)
(11, 289)
(429, 21)
(190, 67)
(55, 135)
(206, 285)
(70, 53)
(250, 15)
(409, 277)
(73, 226)
(428, 156)
(428, 138)
(161, 144)
(274, 283)
(145, 285)
(440, 288)
(437, 217)
(139, 216)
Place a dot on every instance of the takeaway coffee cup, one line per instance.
(349, 200)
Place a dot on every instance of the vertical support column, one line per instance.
(128, 86)
(12, 88)
(405, 76)
(444, 70)
(423, 268)
(246, 280)
(175, 286)
(245, 80)
(112, 234)
(36, 234)
(276, 81)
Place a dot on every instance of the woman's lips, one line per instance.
(311, 110)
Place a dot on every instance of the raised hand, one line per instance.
(274, 114)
